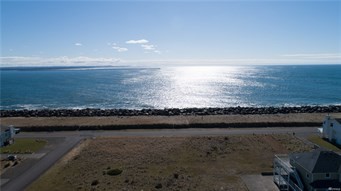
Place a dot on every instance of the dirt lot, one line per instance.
(167, 163)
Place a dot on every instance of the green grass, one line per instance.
(322, 143)
(24, 145)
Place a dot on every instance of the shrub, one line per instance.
(114, 172)
(94, 182)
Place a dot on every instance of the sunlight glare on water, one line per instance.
(199, 87)
(171, 87)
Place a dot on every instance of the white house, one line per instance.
(331, 129)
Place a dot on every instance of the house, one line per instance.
(319, 170)
(331, 129)
(311, 171)
(7, 135)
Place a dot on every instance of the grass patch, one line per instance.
(24, 146)
(323, 143)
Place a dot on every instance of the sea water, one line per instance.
(169, 87)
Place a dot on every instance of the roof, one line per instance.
(318, 161)
(338, 120)
(4, 128)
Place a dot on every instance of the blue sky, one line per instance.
(174, 32)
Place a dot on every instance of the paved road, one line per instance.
(26, 178)
(299, 131)
(73, 137)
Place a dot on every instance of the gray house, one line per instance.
(319, 170)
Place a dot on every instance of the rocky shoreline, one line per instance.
(169, 112)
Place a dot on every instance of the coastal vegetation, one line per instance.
(170, 163)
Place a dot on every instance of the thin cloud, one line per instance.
(120, 49)
(78, 44)
(57, 61)
(315, 56)
(157, 51)
(141, 41)
(111, 44)
(148, 46)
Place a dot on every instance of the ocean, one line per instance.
(169, 87)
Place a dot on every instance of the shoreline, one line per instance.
(118, 119)
(165, 122)
(169, 111)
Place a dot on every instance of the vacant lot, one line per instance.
(172, 163)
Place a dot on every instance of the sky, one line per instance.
(170, 32)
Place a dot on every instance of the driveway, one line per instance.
(257, 182)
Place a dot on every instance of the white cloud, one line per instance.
(120, 49)
(78, 44)
(148, 46)
(157, 51)
(57, 61)
(141, 41)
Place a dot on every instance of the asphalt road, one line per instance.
(74, 137)
(299, 131)
(23, 180)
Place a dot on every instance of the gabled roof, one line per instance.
(318, 161)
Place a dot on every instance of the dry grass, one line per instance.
(152, 120)
(323, 143)
(173, 163)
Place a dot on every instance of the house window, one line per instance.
(331, 124)
(327, 175)
(307, 175)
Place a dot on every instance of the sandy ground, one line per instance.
(148, 120)
(167, 163)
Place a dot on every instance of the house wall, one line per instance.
(337, 132)
(303, 174)
(332, 132)
(326, 127)
(322, 176)
(6, 136)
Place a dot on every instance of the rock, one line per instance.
(168, 112)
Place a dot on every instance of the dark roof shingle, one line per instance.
(318, 161)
